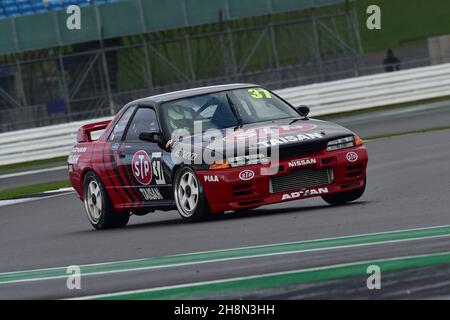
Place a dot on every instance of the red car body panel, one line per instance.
(230, 192)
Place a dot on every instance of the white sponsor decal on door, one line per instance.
(157, 168)
(151, 194)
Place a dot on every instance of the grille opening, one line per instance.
(350, 185)
(242, 190)
(242, 193)
(327, 160)
(246, 203)
(354, 167)
(301, 178)
(241, 187)
(353, 174)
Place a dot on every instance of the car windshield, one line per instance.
(225, 109)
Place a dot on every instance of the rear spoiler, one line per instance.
(84, 133)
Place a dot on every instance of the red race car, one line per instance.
(208, 150)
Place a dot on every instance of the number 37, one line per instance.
(260, 93)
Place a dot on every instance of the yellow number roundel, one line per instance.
(258, 94)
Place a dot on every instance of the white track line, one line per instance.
(66, 191)
(199, 283)
(216, 260)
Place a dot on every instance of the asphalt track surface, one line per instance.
(9, 181)
(408, 188)
(366, 125)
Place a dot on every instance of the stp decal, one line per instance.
(352, 156)
(246, 175)
(141, 166)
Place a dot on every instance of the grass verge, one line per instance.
(21, 192)
(396, 134)
(382, 108)
(7, 168)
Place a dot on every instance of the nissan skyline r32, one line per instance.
(208, 150)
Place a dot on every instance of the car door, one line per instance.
(147, 178)
(114, 180)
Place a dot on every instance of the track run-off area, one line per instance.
(300, 249)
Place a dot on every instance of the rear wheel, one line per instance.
(345, 197)
(98, 206)
(189, 198)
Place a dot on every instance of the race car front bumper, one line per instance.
(289, 179)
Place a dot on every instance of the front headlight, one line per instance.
(347, 142)
(240, 161)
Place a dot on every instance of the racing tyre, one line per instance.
(189, 197)
(345, 197)
(98, 206)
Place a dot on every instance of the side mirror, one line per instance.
(151, 137)
(303, 111)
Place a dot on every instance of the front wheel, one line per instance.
(189, 198)
(345, 197)
(98, 206)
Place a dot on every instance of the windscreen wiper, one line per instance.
(295, 120)
(235, 112)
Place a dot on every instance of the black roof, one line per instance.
(175, 95)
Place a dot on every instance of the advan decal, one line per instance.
(304, 193)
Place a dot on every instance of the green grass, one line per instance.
(403, 21)
(21, 192)
(29, 165)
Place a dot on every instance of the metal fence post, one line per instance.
(316, 44)
(22, 96)
(275, 52)
(187, 42)
(65, 88)
(104, 62)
